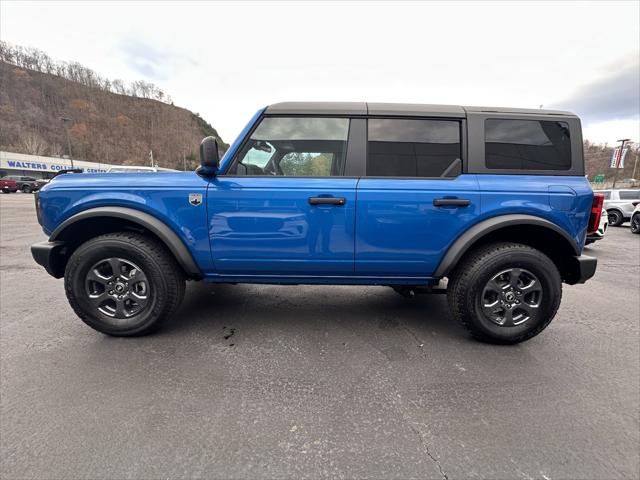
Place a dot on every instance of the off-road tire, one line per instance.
(615, 218)
(165, 277)
(467, 281)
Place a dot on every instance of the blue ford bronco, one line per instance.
(490, 205)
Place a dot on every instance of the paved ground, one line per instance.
(309, 382)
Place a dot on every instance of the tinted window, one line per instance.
(295, 147)
(527, 145)
(629, 194)
(607, 194)
(413, 148)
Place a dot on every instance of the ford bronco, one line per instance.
(490, 203)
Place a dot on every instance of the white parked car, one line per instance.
(635, 219)
(602, 229)
(619, 204)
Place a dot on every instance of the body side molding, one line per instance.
(468, 238)
(151, 223)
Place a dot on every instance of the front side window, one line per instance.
(413, 148)
(295, 147)
(527, 145)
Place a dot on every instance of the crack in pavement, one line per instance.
(426, 449)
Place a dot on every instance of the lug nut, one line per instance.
(110, 292)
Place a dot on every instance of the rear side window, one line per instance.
(413, 148)
(629, 194)
(607, 194)
(527, 145)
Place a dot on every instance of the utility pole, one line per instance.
(622, 142)
(65, 120)
(635, 164)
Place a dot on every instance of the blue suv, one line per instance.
(490, 203)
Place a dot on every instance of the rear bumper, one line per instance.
(582, 268)
(51, 255)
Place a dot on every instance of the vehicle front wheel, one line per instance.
(123, 284)
(26, 189)
(635, 223)
(505, 292)
(615, 218)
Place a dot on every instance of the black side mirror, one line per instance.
(209, 159)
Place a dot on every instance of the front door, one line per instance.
(284, 208)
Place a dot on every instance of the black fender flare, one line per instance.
(479, 230)
(156, 226)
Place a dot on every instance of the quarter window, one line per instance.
(295, 147)
(629, 194)
(413, 148)
(527, 145)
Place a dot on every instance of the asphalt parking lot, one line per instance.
(309, 382)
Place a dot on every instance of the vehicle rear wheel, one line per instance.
(26, 189)
(123, 284)
(505, 292)
(615, 218)
(635, 223)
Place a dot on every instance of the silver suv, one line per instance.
(619, 204)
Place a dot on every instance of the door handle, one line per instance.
(451, 202)
(327, 201)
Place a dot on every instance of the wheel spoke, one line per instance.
(514, 276)
(508, 318)
(533, 286)
(136, 275)
(115, 267)
(94, 276)
(493, 286)
(491, 309)
(531, 310)
(141, 300)
(98, 298)
(121, 311)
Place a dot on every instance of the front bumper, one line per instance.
(52, 256)
(581, 269)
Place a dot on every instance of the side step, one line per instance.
(410, 291)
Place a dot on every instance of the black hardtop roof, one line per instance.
(397, 109)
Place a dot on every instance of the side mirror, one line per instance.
(209, 159)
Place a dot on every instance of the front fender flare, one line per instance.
(145, 220)
(475, 233)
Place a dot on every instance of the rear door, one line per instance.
(414, 200)
(285, 208)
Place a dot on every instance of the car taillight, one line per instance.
(596, 212)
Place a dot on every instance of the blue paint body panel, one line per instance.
(163, 195)
(264, 230)
(399, 231)
(266, 226)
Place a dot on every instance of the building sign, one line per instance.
(19, 161)
(617, 160)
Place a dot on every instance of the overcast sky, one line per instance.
(227, 60)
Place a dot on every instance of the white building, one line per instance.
(46, 167)
(42, 167)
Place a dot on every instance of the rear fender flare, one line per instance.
(457, 250)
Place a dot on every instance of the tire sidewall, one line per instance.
(549, 279)
(635, 223)
(88, 255)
